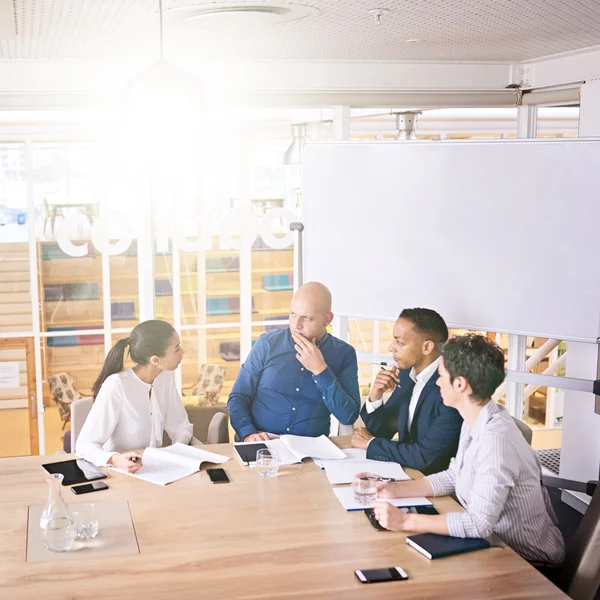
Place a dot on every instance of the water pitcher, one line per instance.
(56, 522)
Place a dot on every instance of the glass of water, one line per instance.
(85, 517)
(267, 463)
(365, 492)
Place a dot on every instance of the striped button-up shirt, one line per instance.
(496, 477)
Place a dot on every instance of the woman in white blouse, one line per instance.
(133, 406)
(495, 475)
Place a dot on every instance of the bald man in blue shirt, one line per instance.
(295, 378)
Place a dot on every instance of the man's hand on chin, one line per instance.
(308, 354)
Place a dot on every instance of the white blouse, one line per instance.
(129, 414)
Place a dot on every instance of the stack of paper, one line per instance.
(165, 465)
(346, 496)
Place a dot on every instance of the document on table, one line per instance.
(291, 449)
(165, 465)
(346, 497)
(344, 471)
(352, 453)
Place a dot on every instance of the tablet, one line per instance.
(75, 471)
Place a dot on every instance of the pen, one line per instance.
(387, 479)
(383, 365)
(134, 459)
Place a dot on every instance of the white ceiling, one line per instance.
(449, 30)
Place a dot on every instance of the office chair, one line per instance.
(64, 394)
(579, 575)
(210, 425)
(80, 409)
(524, 429)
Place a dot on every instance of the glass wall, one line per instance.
(196, 234)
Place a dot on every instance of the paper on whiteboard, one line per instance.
(9, 375)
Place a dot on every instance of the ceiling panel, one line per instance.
(448, 30)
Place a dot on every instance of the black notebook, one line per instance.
(75, 471)
(433, 545)
(247, 452)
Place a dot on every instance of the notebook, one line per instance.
(433, 545)
(292, 449)
(165, 465)
(346, 497)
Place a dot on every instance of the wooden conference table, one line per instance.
(252, 538)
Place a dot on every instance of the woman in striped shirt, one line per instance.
(495, 474)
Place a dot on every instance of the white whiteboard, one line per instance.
(495, 236)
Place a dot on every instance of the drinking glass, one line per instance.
(365, 492)
(267, 463)
(86, 521)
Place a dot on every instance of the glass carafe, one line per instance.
(56, 522)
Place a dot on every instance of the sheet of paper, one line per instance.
(165, 465)
(9, 374)
(196, 454)
(315, 447)
(284, 456)
(161, 472)
(343, 471)
(346, 497)
(352, 453)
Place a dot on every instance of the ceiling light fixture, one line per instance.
(234, 15)
(247, 16)
(164, 84)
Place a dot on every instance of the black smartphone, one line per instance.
(89, 487)
(420, 510)
(370, 514)
(379, 575)
(218, 475)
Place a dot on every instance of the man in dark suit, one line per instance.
(428, 431)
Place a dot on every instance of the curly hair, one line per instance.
(478, 360)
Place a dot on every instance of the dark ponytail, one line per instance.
(150, 338)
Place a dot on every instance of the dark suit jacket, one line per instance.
(433, 437)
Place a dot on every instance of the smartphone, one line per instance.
(378, 575)
(96, 486)
(218, 475)
(419, 510)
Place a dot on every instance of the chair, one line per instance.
(210, 424)
(64, 394)
(524, 429)
(579, 575)
(218, 429)
(336, 428)
(209, 384)
(50, 213)
(80, 409)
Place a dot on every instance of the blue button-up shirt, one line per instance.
(275, 393)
